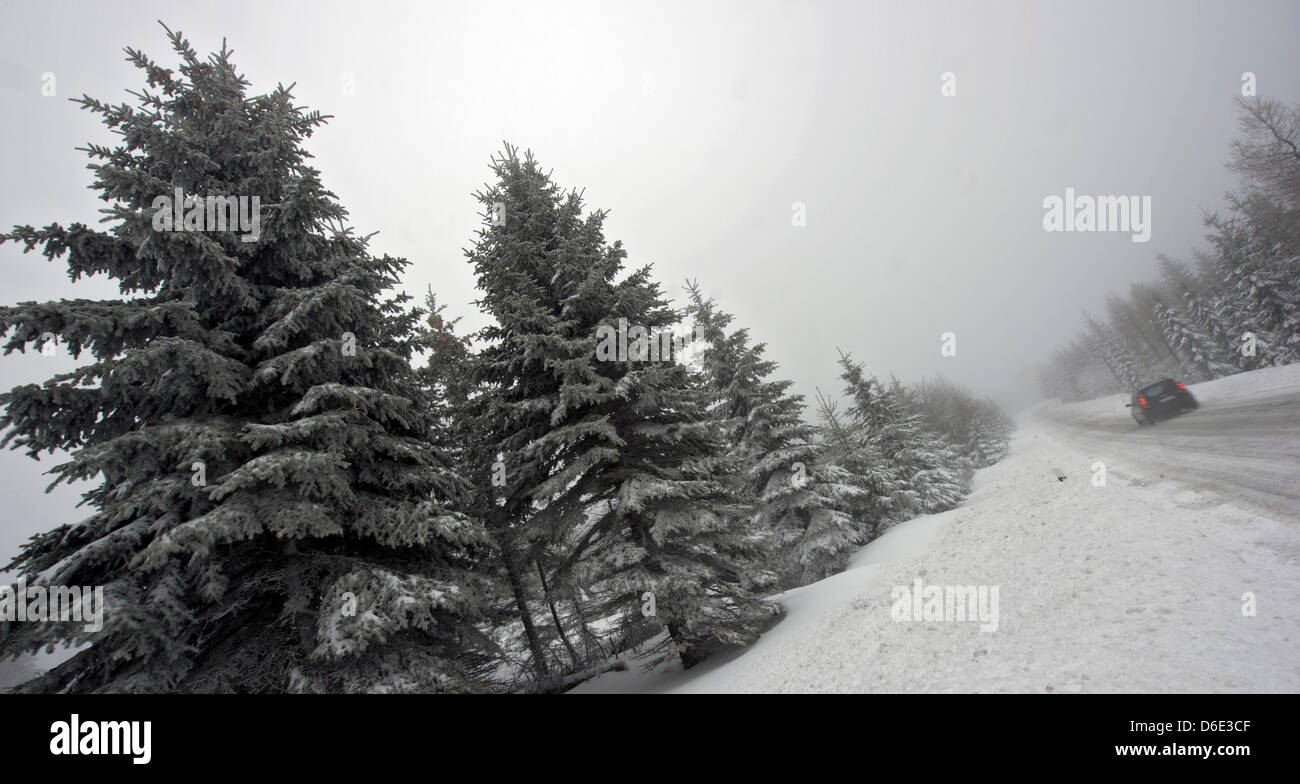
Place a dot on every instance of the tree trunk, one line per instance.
(686, 651)
(588, 639)
(525, 615)
(555, 614)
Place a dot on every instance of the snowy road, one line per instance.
(1243, 446)
(1177, 574)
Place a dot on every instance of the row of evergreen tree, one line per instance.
(305, 483)
(1236, 309)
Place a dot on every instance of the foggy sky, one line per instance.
(699, 125)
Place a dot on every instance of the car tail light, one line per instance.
(1180, 386)
(1142, 401)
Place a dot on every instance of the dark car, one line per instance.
(1164, 399)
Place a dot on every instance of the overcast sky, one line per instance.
(700, 125)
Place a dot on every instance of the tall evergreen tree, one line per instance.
(803, 500)
(1225, 306)
(926, 476)
(1106, 348)
(976, 427)
(1264, 304)
(1203, 310)
(1133, 334)
(1163, 360)
(938, 471)
(539, 406)
(1276, 311)
(272, 515)
(613, 467)
(1193, 347)
(1176, 275)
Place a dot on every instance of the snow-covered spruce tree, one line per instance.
(1262, 303)
(1224, 306)
(1107, 349)
(990, 436)
(611, 466)
(852, 450)
(977, 428)
(1133, 334)
(272, 515)
(1147, 299)
(817, 541)
(443, 377)
(1176, 276)
(679, 529)
(858, 481)
(1276, 311)
(940, 473)
(1194, 348)
(925, 474)
(1204, 312)
(520, 425)
(892, 493)
(803, 500)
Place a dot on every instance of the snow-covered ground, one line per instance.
(1134, 585)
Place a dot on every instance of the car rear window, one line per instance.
(1156, 389)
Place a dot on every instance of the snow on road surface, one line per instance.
(1133, 586)
(1243, 443)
